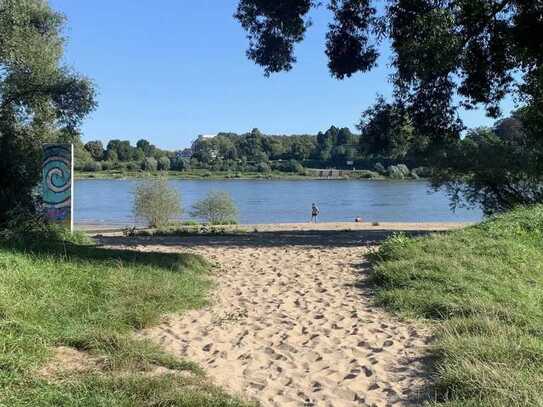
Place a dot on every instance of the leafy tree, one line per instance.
(301, 148)
(216, 208)
(386, 130)
(150, 164)
(274, 147)
(263, 167)
(295, 167)
(180, 164)
(137, 154)
(345, 137)
(92, 166)
(124, 151)
(81, 155)
(38, 96)
(446, 55)
(156, 202)
(496, 169)
(96, 150)
(225, 147)
(481, 42)
(111, 155)
(259, 156)
(146, 147)
(251, 144)
(164, 164)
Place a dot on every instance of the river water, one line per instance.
(109, 202)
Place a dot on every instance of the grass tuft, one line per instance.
(484, 286)
(60, 290)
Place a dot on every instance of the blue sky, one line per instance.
(169, 70)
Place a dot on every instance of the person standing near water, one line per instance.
(315, 211)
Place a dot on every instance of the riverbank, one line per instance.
(226, 175)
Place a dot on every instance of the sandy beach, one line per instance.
(291, 321)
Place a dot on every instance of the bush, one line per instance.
(92, 166)
(156, 202)
(399, 171)
(164, 164)
(106, 165)
(365, 174)
(217, 208)
(380, 168)
(421, 172)
(295, 167)
(116, 165)
(263, 167)
(149, 164)
(133, 166)
(180, 164)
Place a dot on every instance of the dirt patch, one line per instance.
(69, 360)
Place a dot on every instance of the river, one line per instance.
(109, 202)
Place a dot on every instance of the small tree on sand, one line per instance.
(216, 208)
(156, 202)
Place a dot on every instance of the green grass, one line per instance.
(484, 288)
(198, 174)
(188, 175)
(71, 293)
(191, 230)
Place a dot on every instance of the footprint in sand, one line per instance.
(308, 335)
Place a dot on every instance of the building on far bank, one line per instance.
(201, 138)
(185, 153)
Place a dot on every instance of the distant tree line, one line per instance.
(385, 140)
(122, 155)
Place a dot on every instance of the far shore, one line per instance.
(225, 175)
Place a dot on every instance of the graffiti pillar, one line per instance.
(57, 188)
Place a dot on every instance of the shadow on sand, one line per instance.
(316, 239)
(47, 248)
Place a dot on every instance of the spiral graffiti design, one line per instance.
(57, 176)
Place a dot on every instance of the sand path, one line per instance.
(292, 324)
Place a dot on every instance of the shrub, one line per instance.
(180, 164)
(365, 174)
(116, 165)
(263, 167)
(149, 164)
(216, 208)
(380, 168)
(399, 171)
(295, 167)
(164, 164)
(156, 202)
(133, 166)
(92, 166)
(106, 165)
(422, 172)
